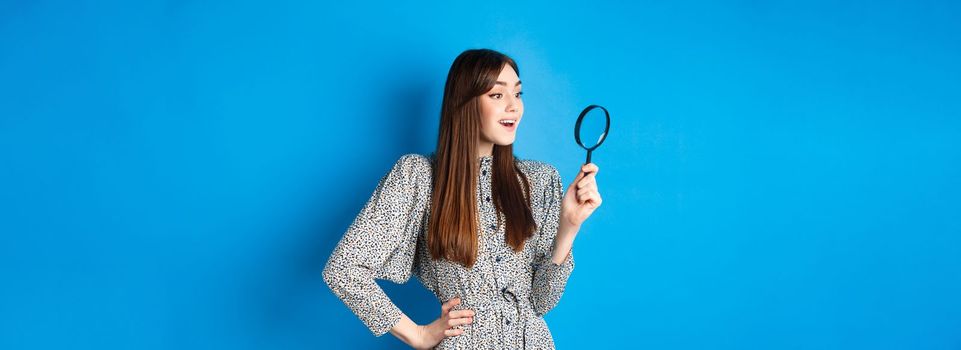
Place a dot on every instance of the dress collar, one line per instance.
(485, 161)
(482, 160)
(485, 165)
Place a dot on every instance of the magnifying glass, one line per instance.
(592, 124)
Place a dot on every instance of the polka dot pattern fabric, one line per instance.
(509, 291)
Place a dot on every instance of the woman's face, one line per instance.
(501, 111)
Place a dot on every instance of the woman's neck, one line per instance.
(485, 149)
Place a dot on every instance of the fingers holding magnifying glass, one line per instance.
(582, 196)
(585, 185)
(586, 169)
(587, 192)
(590, 168)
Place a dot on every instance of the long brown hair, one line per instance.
(453, 229)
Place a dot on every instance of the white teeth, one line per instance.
(507, 122)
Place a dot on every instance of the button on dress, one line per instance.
(509, 291)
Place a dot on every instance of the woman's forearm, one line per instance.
(563, 242)
(428, 336)
(407, 331)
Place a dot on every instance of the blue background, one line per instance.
(779, 175)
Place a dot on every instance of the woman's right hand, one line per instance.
(447, 325)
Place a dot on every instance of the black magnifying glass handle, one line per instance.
(588, 162)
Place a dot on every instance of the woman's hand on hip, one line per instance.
(447, 325)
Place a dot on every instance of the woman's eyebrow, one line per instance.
(505, 84)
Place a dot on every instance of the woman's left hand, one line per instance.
(582, 197)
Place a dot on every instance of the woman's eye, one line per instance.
(518, 94)
(496, 96)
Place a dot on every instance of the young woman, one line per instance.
(490, 235)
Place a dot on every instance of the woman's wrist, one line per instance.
(412, 334)
(433, 332)
(563, 242)
(568, 230)
(428, 336)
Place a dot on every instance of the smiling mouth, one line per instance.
(509, 123)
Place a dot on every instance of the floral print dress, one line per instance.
(509, 291)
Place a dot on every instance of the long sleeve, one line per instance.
(550, 278)
(379, 244)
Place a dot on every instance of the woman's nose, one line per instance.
(512, 104)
